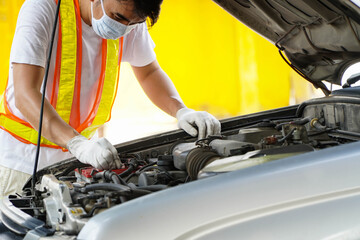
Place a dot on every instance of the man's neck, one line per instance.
(85, 11)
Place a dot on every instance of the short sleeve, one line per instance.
(32, 34)
(139, 47)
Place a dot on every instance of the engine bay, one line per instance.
(68, 195)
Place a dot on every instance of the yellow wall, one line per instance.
(198, 46)
(216, 63)
(8, 14)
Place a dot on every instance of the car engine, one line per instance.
(69, 194)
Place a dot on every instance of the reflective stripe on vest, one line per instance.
(67, 82)
(68, 62)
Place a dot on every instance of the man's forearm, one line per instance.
(54, 128)
(27, 83)
(159, 88)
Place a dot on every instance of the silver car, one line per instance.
(287, 173)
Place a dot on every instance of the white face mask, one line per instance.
(107, 27)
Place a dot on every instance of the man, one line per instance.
(92, 38)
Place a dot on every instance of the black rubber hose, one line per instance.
(140, 192)
(321, 132)
(114, 177)
(302, 121)
(157, 168)
(353, 134)
(132, 166)
(99, 175)
(153, 167)
(287, 136)
(129, 177)
(105, 187)
(92, 211)
(138, 171)
(110, 176)
(128, 171)
(127, 191)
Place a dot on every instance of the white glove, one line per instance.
(206, 123)
(99, 153)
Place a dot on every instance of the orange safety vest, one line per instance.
(65, 97)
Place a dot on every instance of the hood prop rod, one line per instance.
(33, 180)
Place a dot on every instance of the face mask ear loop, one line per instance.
(102, 6)
(91, 6)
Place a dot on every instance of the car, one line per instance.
(286, 173)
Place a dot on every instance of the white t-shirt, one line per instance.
(30, 46)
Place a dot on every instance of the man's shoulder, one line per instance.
(42, 2)
(39, 6)
(34, 12)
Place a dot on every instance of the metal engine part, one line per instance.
(252, 158)
(222, 147)
(61, 213)
(65, 201)
(254, 135)
(180, 153)
(197, 159)
(227, 148)
(297, 133)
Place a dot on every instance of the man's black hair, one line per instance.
(148, 9)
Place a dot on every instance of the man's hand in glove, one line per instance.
(206, 123)
(99, 153)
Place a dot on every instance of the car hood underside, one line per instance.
(319, 37)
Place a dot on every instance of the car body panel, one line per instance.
(245, 200)
(319, 37)
(304, 185)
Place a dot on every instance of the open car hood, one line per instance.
(319, 37)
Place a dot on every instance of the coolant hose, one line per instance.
(132, 166)
(135, 192)
(105, 187)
